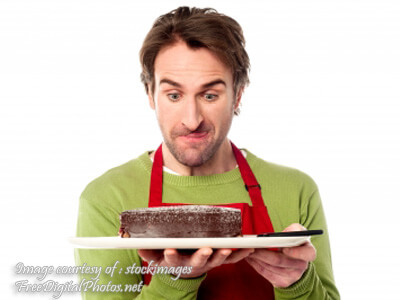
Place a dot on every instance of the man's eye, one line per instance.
(173, 97)
(210, 97)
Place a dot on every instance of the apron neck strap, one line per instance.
(156, 179)
(250, 181)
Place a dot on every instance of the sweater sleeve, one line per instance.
(317, 282)
(98, 217)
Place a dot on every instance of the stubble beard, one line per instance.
(195, 155)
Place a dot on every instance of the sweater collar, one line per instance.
(178, 180)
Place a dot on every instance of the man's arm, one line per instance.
(285, 267)
(99, 216)
(97, 219)
(303, 272)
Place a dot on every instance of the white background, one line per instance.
(324, 98)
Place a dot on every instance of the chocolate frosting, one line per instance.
(181, 221)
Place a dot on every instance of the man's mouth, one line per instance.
(195, 136)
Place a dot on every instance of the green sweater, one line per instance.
(290, 196)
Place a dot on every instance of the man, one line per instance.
(195, 69)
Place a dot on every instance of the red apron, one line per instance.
(229, 281)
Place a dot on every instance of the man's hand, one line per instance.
(285, 267)
(201, 261)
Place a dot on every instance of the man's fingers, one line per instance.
(219, 257)
(279, 277)
(172, 257)
(265, 270)
(200, 257)
(278, 259)
(305, 252)
(238, 255)
(148, 255)
(294, 227)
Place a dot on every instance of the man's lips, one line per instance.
(195, 136)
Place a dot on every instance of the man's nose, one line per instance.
(192, 115)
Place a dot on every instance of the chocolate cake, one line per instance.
(181, 221)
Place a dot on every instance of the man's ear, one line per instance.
(151, 98)
(238, 97)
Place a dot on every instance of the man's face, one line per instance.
(194, 102)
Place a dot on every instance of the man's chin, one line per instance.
(190, 158)
(193, 155)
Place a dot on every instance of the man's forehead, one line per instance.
(179, 58)
(179, 63)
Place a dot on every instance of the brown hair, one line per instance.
(198, 28)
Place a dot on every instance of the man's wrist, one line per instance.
(301, 286)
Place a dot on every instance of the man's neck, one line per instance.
(222, 161)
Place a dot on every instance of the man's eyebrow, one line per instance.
(214, 82)
(170, 82)
(206, 85)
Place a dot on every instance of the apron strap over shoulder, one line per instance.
(156, 179)
(250, 182)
